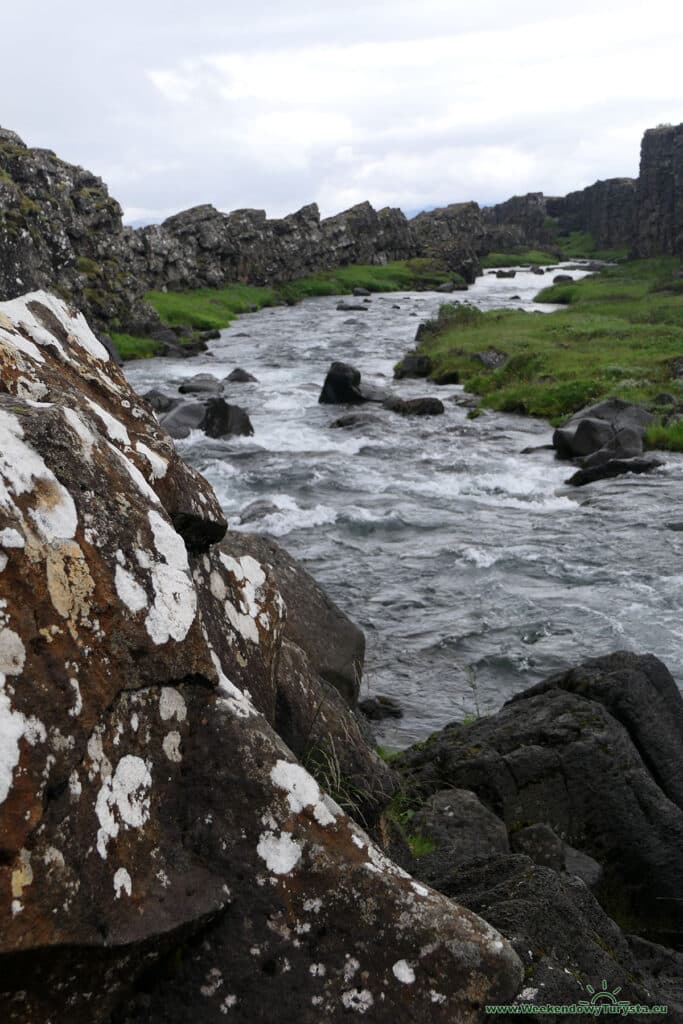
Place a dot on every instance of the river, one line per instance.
(472, 568)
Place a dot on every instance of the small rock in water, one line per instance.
(257, 510)
(380, 707)
(201, 384)
(240, 376)
(415, 406)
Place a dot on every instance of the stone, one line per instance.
(183, 418)
(562, 278)
(541, 844)
(601, 426)
(350, 307)
(413, 365)
(360, 292)
(561, 757)
(447, 377)
(341, 386)
(460, 828)
(353, 419)
(257, 510)
(415, 406)
(221, 419)
(491, 358)
(160, 401)
(379, 707)
(506, 273)
(162, 847)
(611, 468)
(201, 384)
(240, 376)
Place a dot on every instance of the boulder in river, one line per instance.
(413, 365)
(201, 384)
(351, 307)
(506, 273)
(162, 847)
(183, 418)
(240, 376)
(605, 470)
(341, 386)
(415, 406)
(613, 426)
(221, 419)
(562, 278)
(160, 401)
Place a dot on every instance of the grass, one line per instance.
(205, 309)
(581, 245)
(617, 337)
(129, 346)
(523, 258)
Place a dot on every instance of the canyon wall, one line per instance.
(660, 193)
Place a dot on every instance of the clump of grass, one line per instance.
(666, 437)
(616, 337)
(130, 347)
(519, 258)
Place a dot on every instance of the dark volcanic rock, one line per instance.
(660, 193)
(379, 707)
(222, 419)
(160, 401)
(353, 419)
(611, 468)
(413, 365)
(183, 418)
(617, 427)
(491, 358)
(201, 384)
(341, 386)
(415, 406)
(240, 376)
(563, 759)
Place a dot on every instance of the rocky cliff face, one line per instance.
(204, 247)
(607, 210)
(660, 192)
(455, 234)
(59, 228)
(164, 856)
(520, 221)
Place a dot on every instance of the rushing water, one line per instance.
(473, 569)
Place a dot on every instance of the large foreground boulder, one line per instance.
(341, 386)
(163, 855)
(613, 428)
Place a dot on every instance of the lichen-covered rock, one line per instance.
(163, 855)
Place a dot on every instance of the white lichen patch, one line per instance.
(122, 883)
(171, 747)
(403, 972)
(135, 474)
(78, 700)
(10, 538)
(358, 1000)
(23, 471)
(232, 697)
(130, 592)
(172, 705)
(17, 313)
(212, 982)
(82, 432)
(158, 464)
(123, 800)
(250, 578)
(22, 875)
(175, 599)
(114, 428)
(14, 726)
(281, 853)
(302, 790)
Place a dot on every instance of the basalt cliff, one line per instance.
(60, 229)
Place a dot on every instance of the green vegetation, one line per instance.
(581, 245)
(205, 309)
(618, 336)
(522, 258)
(130, 347)
(667, 437)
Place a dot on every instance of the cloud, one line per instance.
(412, 105)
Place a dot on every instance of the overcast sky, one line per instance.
(274, 105)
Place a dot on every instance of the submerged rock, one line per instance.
(161, 845)
(413, 365)
(240, 376)
(611, 468)
(415, 406)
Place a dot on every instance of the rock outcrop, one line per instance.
(660, 193)
(164, 857)
(606, 210)
(455, 234)
(60, 229)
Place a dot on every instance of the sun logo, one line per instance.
(604, 997)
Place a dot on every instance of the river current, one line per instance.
(472, 568)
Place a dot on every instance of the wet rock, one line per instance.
(183, 418)
(566, 760)
(360, 292)
(221, 419)
(506, 273)
(537, 270)
(353, 419)
(379, 707)
(240, 376)
(341, 386)
(600, 426)
(448, 377)
(451, 286)
(562, 278)
(161, 846)
(541, 844)
(415, 406)
(611, 468)
(201, 384)
(350, 307)
(160, 401)
(257, 510)
(459, 827)
(413, 365)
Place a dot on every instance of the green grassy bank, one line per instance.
(618, 336)
(206, 309)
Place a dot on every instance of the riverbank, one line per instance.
(621, 335)
(213, 309)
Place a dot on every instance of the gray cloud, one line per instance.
(409, 104)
